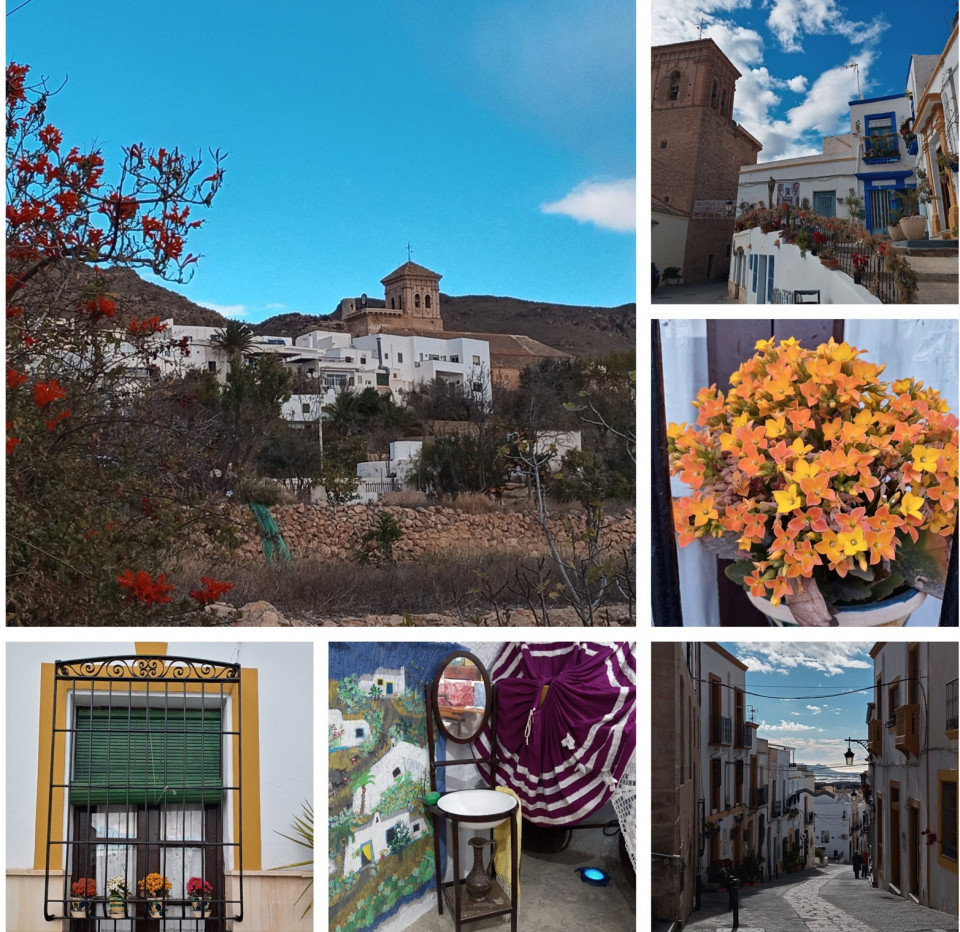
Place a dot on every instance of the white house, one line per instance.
(347, 733)
(833, 825)
(371, 842)
(403, 757)
(389, 682)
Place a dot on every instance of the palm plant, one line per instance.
(303, 836)
(235, 339)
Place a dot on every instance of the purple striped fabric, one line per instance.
(566, 725)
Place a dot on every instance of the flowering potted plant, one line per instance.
(828, 256)
(819, 240)
(199, 891)
(835, 492)
(154, 887)
(860, 262)
(117, 893)
(82, 890)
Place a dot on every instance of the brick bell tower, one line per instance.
(698, 149)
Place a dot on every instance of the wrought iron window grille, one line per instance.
(145, 767)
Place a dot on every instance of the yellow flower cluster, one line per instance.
(154, 885)
(811, 461)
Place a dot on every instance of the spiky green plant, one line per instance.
(302, 829)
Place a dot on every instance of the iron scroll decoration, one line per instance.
(439, 708)
(142, 667)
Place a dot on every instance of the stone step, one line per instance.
(937, 293)
(934, 268)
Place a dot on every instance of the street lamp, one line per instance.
(849, 755)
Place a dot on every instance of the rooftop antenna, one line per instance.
(409, 251)
(752, 709)
(855, 66)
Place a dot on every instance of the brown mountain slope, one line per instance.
(583, 331)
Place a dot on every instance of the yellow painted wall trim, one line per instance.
(151, 649)
(943, 776)
(249, 768)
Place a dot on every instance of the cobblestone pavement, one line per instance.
(705, 293)
(829, 899)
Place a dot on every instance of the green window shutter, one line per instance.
(146, 756)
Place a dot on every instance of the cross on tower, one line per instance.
(409, 252)
(700, 34)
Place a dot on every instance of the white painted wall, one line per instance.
(286, 732)
(668, 240)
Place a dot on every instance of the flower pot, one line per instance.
(201, 909)
(78, 910)
(892, 612)
(155, 909)
(829, 262)
(857, 277)
(896, 234)
(914, 227)
(117, 909)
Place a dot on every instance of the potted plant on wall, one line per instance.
(828, 256)
(819, 241)
(672, 275)
(947, 160)
(82, 891)
(893, 228)
(835, 492)
(199, 892)
(154, 887)
(117, 893)
(804, 242)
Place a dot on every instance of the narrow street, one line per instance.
(827, 899)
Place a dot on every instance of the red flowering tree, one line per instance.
(101, 485)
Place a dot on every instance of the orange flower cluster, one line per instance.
(811, 461)
(211, 591)
(143, 588)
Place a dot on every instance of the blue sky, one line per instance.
(813, 708)
(496, 138)
(792, 54)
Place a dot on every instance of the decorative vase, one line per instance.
(201, 908)
(116, 909)
(78, 910)
(896, 234)
(478, 881)
(892, 612)
(914, 227)
(155, 909)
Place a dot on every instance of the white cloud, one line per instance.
(786, 726)
(275, 307)
(829, 658)
(611, 205)
(815, 709)
(798, 84)
(228, 310)
(790, 20)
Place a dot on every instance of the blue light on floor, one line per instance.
(593, 876)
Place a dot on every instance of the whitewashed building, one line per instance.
(912, 737)
(833, 825)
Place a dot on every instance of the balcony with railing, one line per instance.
(907, 738)
(746, 737)
(951, 724)
(879, 148)
(721, 729)
(776, 810)
(874, 737)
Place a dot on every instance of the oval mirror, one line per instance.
(461, 697)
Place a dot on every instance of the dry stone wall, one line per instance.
(327, 532)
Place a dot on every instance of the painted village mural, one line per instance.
(381, 843)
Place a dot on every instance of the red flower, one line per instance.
(45, 393)
(142, 587)
(61, 416)
(12, 444)
(212, 591)
(101, 306)
(50, 136)
(15, 378)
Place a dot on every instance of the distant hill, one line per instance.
(583, 331)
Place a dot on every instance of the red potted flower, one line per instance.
(860, 261)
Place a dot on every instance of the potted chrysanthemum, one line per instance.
(117, 892)
(199, 891)
(82, 891)
(835, 492)
(154, 887)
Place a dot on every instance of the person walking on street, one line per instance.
(857, 864)
(866, 864)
